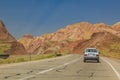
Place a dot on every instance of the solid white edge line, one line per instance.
(116, 72)
(47, 70)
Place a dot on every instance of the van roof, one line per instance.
(90, 48)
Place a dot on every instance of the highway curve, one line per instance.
(70, 67)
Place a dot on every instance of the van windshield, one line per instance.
(91, 50)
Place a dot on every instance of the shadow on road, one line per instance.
(92, 61)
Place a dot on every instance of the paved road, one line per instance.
(69, 67)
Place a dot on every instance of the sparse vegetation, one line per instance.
(104, 52)
(65, 52)
(24, 58)
(4, 47)
(113, 51)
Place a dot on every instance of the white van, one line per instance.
(91, 54)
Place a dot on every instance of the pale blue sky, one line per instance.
(37, 17)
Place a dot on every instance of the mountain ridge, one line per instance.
(8, 44)
(4, 34)
(67, 38)
(72, 38)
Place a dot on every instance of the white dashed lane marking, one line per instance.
(47, 70)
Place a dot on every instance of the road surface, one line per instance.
(70, 67)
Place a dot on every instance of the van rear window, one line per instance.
(91, 50)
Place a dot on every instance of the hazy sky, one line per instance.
(37, 17)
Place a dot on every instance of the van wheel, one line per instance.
(98, 60)
(84, 60)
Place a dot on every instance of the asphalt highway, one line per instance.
(70, 67)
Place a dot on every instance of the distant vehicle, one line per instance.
(4, 56)
(91, 54)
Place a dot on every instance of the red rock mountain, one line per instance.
(99, 40)
(116, 26)
(4, 34)
(8, 44)
(70, 38)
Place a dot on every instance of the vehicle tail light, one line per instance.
(85, 54)
(97, 55)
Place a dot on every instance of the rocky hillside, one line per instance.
(72, 38)
(4, 34)
(8, 44)
(107, 43)
(116, 26)
(81, 31)
(99, 40)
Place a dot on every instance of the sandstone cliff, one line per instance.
(8, 44)
(68, 37)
